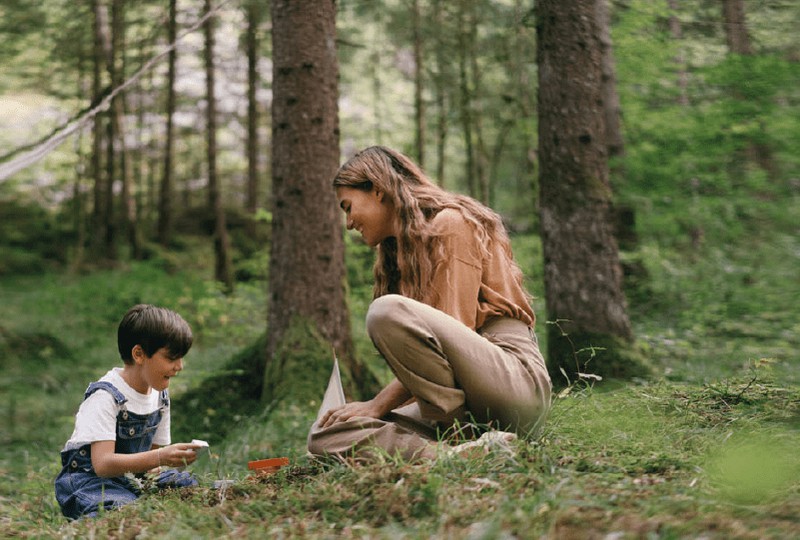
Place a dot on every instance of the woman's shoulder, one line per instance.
(449, 221)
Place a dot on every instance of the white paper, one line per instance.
(203, 446)
(334, 394)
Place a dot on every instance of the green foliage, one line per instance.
(752, 470)
(211, 409)
(586, 356)
(32, 239)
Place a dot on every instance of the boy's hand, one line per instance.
(178, 454)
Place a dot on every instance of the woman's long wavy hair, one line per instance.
(405, 265)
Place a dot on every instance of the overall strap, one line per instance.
(108, 387)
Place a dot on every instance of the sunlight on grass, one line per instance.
(755, 467)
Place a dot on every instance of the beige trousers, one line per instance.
(495, 376)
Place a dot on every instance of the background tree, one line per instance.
(307, 273)
(419, 104)
(737, 37)
(100, 213)
(253, 13)
(676, 30)
(589, 327)
(466, 40)
(165, 207)
(440, 80)
(112, 38)
(611, 104)
(121, 129)
(223, 270)
(735, 24)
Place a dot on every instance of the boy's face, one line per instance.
(159, 368)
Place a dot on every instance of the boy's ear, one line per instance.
(378, 194)
(138, 354)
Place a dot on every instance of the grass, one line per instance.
(708, 449)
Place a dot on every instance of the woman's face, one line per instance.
(368, 212)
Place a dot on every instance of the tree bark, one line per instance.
(108, 247)
(223, 271)
(307, 273)
(582, 274)
(165, 210)
(481, 167)
(80, 171)
(611, 105)
(115, 48)
(465, 98)
(419, 105)
(676, 30)
(100, 210)
(736, 34)
(441, 94)
(251, 40)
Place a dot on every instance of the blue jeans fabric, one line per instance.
(80, 492)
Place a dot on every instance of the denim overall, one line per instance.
(80, 492)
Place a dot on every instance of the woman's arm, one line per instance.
(391, 397)
(107, 463)
(457, 278)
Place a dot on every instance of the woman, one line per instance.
(450, 316)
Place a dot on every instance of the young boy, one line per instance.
(122, 425)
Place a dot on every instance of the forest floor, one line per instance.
(707, 449)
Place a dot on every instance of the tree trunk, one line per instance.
(527, 103)
(80, 172)
(251, 41)
(738, 39)
(611, 106)
(419, 105)
(465, 98)
(223, 271)
(441, 95)
(623, 219)
(735, 24)
(165, 211)
(377, 97)
(590, 330)
(676, 30)
(108, 232)
(307, 273)
(481, 167)
(99, 214)
(109, 241)
(115, 48)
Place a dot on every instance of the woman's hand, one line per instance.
(369, 409)
(391, 397)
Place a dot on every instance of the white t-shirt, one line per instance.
(96, 419)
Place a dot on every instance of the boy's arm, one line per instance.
(107, 463)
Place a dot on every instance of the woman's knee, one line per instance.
(318, 442)
(384, 313)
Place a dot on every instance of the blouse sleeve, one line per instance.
(457, 278)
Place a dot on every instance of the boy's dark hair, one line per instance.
(153, 327)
